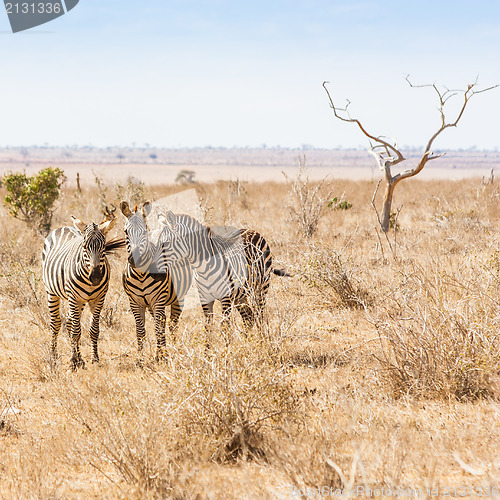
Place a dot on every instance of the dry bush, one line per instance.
(30, 474)
(309, 200)
(146, 427)
(8, 413)
(112, 311)
(235, 396)
(278, 330)
(306, 462)
(335, 281)
(133, 190)
(128, 433)
(20, 280)
(439, 334)
(238, 193)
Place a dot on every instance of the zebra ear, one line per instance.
(146, 208)
(79, 224)
(168, 220)
(125, 209)
(171, 219)
(105, 227)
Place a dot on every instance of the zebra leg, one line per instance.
(75, 314)
(208, 311)
(175, 313)
(55, 321)
(260, 302)
(139, 313)
(160, 321)
(226, 317)
(247, 315)
(95, 308)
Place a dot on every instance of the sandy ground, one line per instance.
(209, 164)
(166, 174)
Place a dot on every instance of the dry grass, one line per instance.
(376, 368)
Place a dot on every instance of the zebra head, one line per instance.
(94, 247)
(174, 237)
(136, 232)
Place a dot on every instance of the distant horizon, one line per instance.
(209, 164)
(263, 147)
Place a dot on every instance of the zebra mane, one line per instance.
(114, 244)
(188, 220)
(225, 236)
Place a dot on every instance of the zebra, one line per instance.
(75, 268)
(148, 282)
(234, 267)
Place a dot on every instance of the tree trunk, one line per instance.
(390, 184)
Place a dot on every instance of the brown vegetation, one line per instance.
(378, 365)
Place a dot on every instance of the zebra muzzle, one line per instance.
(137, 261)
(96, 275)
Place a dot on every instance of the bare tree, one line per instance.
(387, 153)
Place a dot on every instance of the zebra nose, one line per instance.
(96, 275)
(131, 260)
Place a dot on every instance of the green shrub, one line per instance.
(32, 199)
(339, 205)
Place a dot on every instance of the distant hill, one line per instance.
(278, 157)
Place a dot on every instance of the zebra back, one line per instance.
(227, 262)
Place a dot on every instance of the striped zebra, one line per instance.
(234, 267)
(75, 268)
(148, 283)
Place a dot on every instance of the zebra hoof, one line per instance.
(161, 356)
(76, 363)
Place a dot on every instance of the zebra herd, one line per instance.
(233, 266)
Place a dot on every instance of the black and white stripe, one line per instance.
(75, 268)
(233, 266)
(148, 283)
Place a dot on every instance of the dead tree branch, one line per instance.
(387, 154)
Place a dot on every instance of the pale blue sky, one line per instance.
(227, 73)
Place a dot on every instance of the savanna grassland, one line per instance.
(377, 367)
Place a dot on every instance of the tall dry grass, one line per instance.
(377, 366)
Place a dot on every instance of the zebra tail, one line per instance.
(115, 244)
(281, 272)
